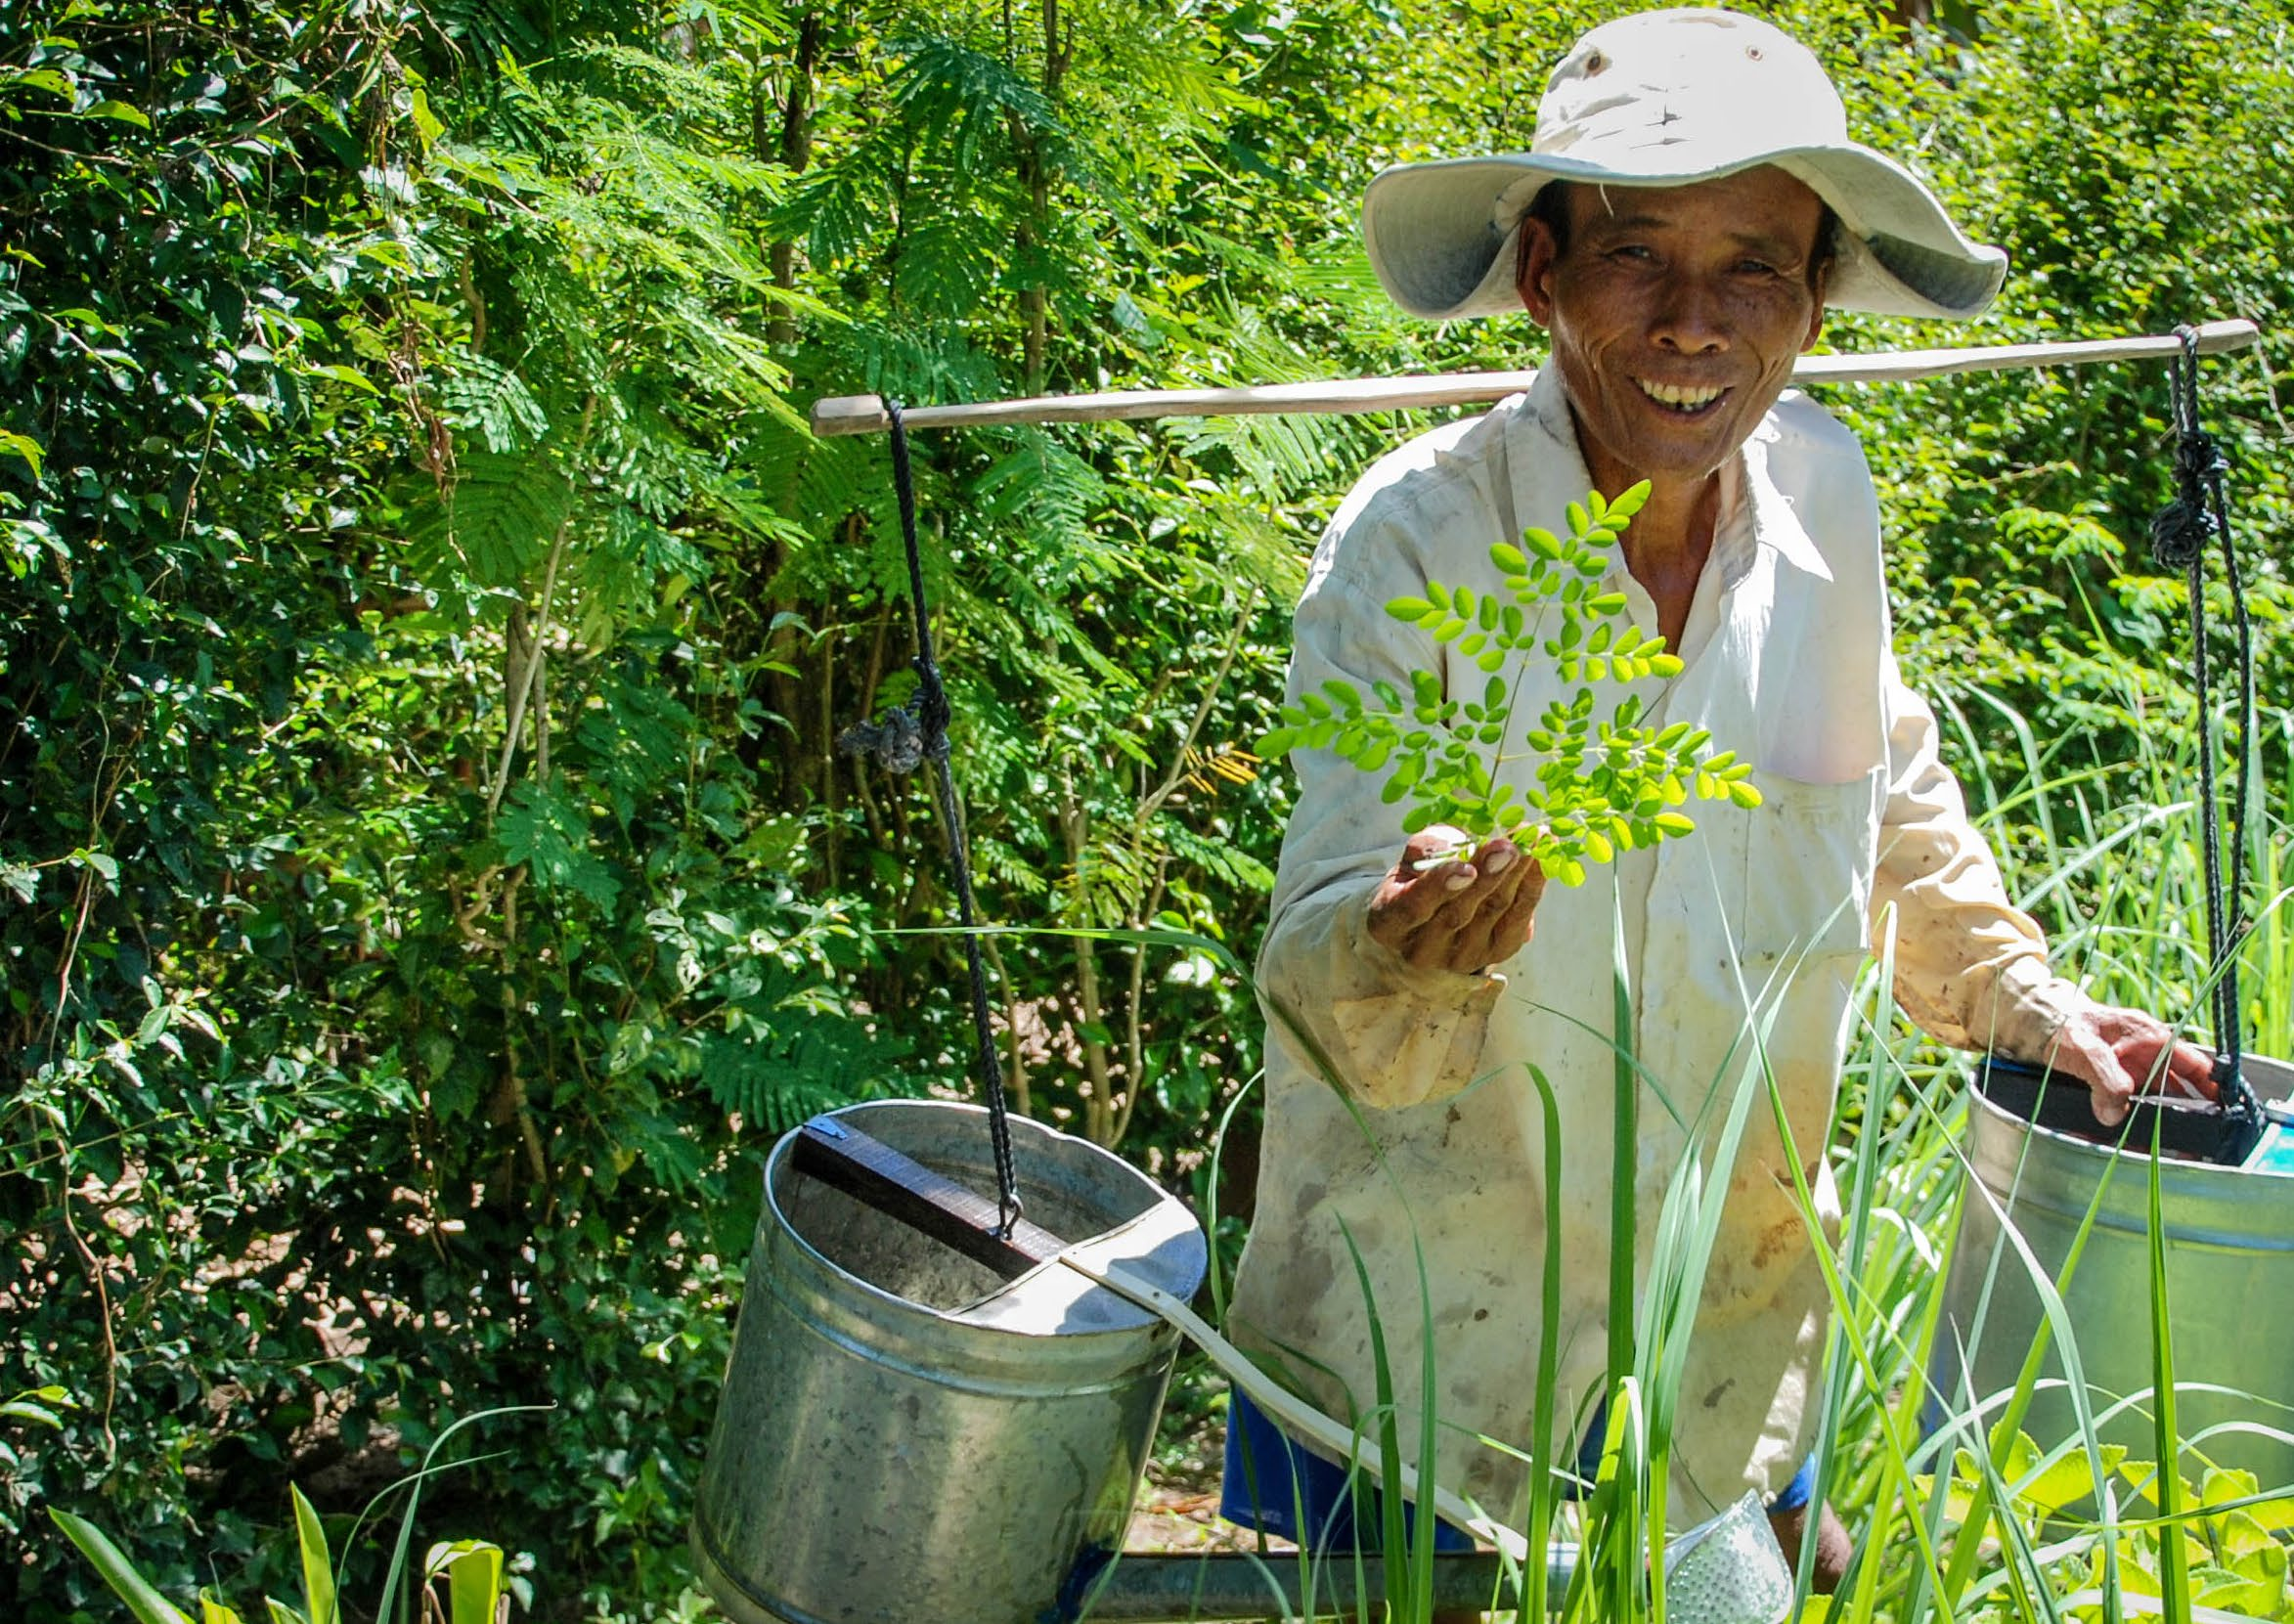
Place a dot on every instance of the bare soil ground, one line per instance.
(1177, 1508)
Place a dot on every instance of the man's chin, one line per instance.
(1634, 438)
(1665, 446)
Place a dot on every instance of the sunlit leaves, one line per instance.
(2226, 1544)
(1603, 781)
(544, 830)
(23, 447)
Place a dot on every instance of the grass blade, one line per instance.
(129, 1585)
(2174, 1559)
(1393, 1551)
(1624, 1161)
(1538, 1524)
(1630, 1533)
(310, 1539)
(1418, 1558)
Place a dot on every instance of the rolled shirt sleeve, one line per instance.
(1970, 967)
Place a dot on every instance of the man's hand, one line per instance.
(1440, 914)
(2119, 1053)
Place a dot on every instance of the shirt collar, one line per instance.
(1548, 472)
(1775, 524)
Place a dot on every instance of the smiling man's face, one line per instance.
(1676, 315)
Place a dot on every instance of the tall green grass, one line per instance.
(1958, 1512)
(2108, 854)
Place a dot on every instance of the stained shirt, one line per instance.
(1430, 1136)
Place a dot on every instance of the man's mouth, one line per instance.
(1686, 399)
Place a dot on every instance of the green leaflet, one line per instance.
(1603, 779)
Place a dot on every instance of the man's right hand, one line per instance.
(1454, 915)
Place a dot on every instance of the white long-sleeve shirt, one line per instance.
(1788, 663)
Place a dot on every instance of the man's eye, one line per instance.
(1757, 268)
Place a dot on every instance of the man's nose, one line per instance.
(1689, 319)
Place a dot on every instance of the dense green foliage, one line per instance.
(426, 875)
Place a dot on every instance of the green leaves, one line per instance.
(1603, 783)
(543, 829)
(23, 447)
(1483, 630)
(472, 1571)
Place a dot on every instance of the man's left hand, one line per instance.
(2119, 1053)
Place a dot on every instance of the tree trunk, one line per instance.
(1036, 179)
(796, 156)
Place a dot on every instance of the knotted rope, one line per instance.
(2178, 537)
(900, 741)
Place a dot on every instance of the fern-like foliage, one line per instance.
(1604, 781)
(482, 397)
(969, 100)
(487, 29)
(494, 521)
(781, 1062)
(946, 267)
(1052, 492)
(1220, 858)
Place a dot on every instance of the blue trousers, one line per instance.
(1277, 1487)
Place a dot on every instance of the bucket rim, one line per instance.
(1150, 1326)
(2282, 1087)
(2207, 1204)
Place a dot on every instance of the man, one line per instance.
(1689, 204)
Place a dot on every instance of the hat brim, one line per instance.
(1443, 247)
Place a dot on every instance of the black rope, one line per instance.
(902, 740)
(2178, 537)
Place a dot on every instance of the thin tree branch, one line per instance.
(521, 686)
(1134, 1017)
(1178, 767)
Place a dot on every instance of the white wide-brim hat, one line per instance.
(1671, 98)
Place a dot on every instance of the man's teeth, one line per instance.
(1679, 396)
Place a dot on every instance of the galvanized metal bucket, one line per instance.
(904, 1435)
(2230, 1283)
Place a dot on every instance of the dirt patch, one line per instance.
(1182, 1518)
(1177, 1508)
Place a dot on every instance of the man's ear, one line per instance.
(1817, 287)
(1534, 262)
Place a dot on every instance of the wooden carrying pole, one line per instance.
(865, 414)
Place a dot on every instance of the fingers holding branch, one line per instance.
(1438, 911)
